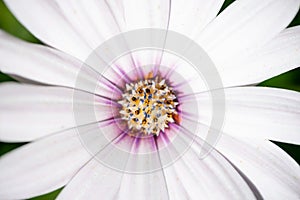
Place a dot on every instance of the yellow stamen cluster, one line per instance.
(148, 106)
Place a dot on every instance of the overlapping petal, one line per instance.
(265, 164)
(118, 183)
(48, 66)
(42, 166)
(190, 18)
(244, 27)
(36, 62)
(279, 55)
(72, 27)
(51, 162)
(77, 28)
(188, 177)
(30, 112)
(257, 112)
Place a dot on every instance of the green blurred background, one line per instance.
(8, 22)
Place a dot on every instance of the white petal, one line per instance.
(36, 62)
(245, 26)
(151, 185)
(141, 14)
(96, 180)
(50, 163)
(211, 177)
(48, 66)
(145, 14)
(118, 182)
(265, 165)
(80, 27)
(279, 55)
(188, 177)
(75, 27)
(257, 112)
(190, 17)
(29, 112)
(42, 166)
(92, 182)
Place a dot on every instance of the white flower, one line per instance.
(247, 42)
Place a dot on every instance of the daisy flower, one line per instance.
(150, 100)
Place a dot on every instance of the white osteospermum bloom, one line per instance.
(247, 42)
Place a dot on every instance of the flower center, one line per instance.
(148, 106)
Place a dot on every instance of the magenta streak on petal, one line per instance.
(165, 142)
(109, 83)
(115, 120)
(150, 140)
(187, 97)
(138, 68)
(189, 116)
(117, 105)
(136, 144)
(112, 85)
(126, 78)
(107, 122)
(170, 71)
(107, 98)
(108, 102)
(153, 142)
(184, 131)
(122, 136)
(116, 128)
(165, 139)
(184, 113)
(194, 137)
(155, 69)
(157, 64)
(178, 85)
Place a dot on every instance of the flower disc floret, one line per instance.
(148, 106)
